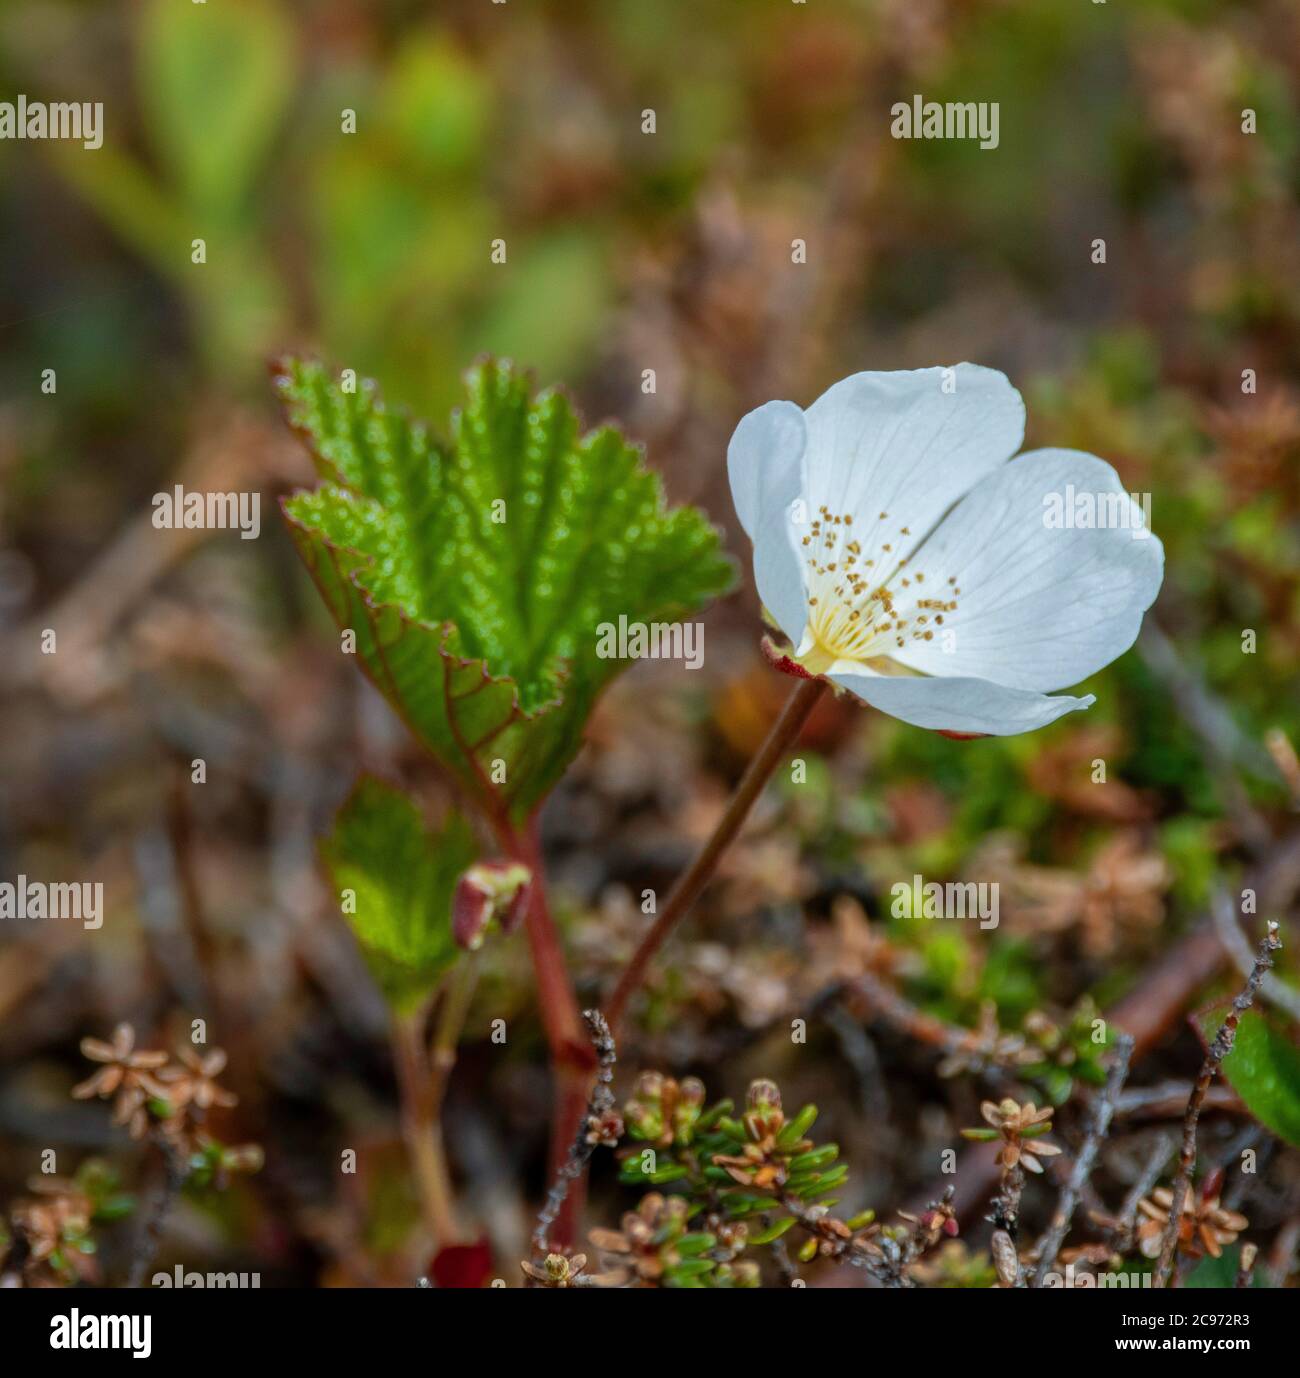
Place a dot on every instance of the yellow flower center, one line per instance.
(863, 608)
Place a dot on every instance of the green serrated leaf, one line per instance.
(1264, 1070)
(401, 876)
(478, 577)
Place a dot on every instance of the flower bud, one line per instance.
(650, 1086)
(691, 1091)
(764, 1095)
(488, 890)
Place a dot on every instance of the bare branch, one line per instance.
(1102, 1111)
(1146, 1180)
(1235, 944)
(590, 1132)
(1219, 1049)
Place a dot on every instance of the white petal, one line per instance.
(765, 466)
(964, 704)
(898, 443)
(1040, 606)
(765, 457)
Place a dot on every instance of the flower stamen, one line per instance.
(852, 618)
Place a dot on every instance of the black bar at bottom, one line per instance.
(355, 1326)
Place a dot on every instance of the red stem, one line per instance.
(572, 1056)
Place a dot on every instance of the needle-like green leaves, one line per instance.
(477, 575)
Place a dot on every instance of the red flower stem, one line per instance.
(572, 1056)
(784, 731)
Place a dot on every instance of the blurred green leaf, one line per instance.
(1188, 846)
(798, 1127)
(436, 105)
(478, 576)
(772, 1233)
(1221, 1272)
(127, 197)
(551, 302)
(689, 1245)
(392, 254)
(215, 80)
(1264, 1070)
(402, 877)
(1010, 978)
(814, 1158)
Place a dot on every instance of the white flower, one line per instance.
(911, 564)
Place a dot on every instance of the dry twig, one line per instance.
(169, 1189)
(1102, 1111)
(1219, 1049)
(1237, 946)
(597, 1126)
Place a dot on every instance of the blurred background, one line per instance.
(627, 251)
